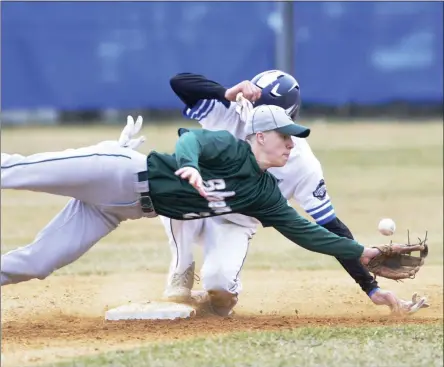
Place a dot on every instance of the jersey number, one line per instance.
(216, 199)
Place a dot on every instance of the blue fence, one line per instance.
(95, 55)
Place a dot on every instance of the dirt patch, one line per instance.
(74, 329)
(63, 316)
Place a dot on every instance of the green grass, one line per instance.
(430, 156)
(413, 345)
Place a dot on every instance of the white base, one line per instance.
(150, 311)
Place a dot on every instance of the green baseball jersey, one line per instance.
(235, 184)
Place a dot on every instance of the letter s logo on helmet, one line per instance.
(279, 89)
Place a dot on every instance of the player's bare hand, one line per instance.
(249, 90)
(398, 307)
(386, 298)
(194, 178)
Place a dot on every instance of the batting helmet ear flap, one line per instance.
(294, 113)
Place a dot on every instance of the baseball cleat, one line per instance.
(222, 302)
(180, 285)
(218, 303)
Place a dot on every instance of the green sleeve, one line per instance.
(204, 145)
(306, 234)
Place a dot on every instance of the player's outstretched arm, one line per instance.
(275, 212)
(312, 236)
(315, 238)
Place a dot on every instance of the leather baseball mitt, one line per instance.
(396, 262)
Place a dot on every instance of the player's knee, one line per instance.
(40, 271)
(25, 275)
(23, 267)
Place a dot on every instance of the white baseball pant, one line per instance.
(101, 179)
(225, 249)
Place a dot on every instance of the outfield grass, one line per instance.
(398, 346)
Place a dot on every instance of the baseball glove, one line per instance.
(396, 262)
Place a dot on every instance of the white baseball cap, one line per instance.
(267, 118)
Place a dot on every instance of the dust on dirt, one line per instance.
(63, 316)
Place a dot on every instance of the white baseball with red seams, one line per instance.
(387, 227)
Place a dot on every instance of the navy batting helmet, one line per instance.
(279, 89)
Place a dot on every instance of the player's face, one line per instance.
(277, 147)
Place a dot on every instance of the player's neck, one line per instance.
(261, 158)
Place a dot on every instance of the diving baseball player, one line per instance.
(226, 239)
(210, 174)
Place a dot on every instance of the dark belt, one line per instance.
(145, 199)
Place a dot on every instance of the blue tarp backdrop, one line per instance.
(94, 55)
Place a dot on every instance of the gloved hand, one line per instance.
(395, 261)
(130, 130)
(396, 305)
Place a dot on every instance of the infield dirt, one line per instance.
(63, 316)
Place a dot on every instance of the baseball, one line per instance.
(387, 226)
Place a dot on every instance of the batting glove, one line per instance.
(243, 107)
(130, 130)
